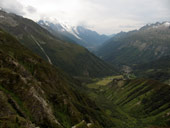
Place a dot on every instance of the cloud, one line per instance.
(107, 16)
(104, 16)
(12, 6)
(31, 9)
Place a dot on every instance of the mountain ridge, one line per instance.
(70, 57)
(138, 46)
(81, 35)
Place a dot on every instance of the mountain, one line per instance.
(79, 34)
(139, 46)
(158, 69)
(135, 103)
(34, 93)
(141, 99)
(72, 58)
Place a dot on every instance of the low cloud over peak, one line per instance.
(12, 6)
(104, 16)
(31, 9)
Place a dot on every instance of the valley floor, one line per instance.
(102, 91)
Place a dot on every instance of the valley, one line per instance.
(98, 82)
(55, 75)
(70, 57)
(36, 94)
(132, 103)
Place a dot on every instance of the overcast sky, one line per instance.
(103, 16)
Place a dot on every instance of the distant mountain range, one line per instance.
(70, 57)
(77, 34)
(139, 46)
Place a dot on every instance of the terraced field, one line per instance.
(136, 103)
(98, 82)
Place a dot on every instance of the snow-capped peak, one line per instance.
(69, 28)
(76, 31)
(42, 22)
(167, 24)
(46, 23)
(64, 26)
(158, 25)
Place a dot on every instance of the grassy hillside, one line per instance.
(137, 103)
(72, 58)
(35, 94)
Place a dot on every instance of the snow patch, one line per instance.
(76, 31)
(155, 27)
(167, 24)
(46, 23)
(70, 29)
(65, 27)
(75, 34)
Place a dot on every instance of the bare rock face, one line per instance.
(27, 90)
(4, 18)
(84, 124)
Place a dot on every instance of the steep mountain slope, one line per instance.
(72, 58)
(81, 35)
(33, 93)
(137, 103)
(146, 44)
(158, 69)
